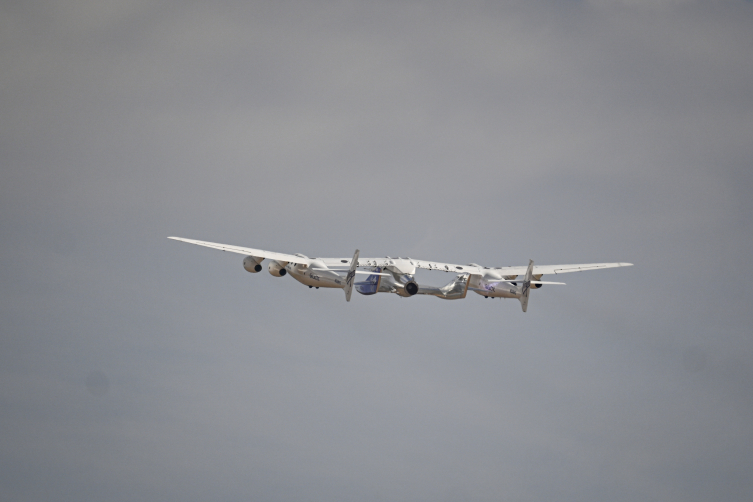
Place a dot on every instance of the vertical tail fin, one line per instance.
(350, 278)
(526, 286)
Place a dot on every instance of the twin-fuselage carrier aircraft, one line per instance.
(397, 275)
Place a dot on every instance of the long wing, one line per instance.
(477, 269)
(259, 253)
(560, 269)
(427, 265)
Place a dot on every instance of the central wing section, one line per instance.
(407, 265)
(471, 268)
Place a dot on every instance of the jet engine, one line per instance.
(277, 268)
(252, 264)
(410, 287)
(537, 277)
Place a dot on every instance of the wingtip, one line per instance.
(626, 264)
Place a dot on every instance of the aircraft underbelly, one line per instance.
(501, 290)
(318, 278)
(494, 289)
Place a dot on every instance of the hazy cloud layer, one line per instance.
(137, 368)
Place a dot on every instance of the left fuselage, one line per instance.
(322, 278)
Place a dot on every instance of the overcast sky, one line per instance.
(133, 367)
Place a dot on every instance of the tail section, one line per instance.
(526, 286)
(371, 285)
(350, 278)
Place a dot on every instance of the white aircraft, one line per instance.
(396, 275)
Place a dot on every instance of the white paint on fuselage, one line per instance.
(316, 278)
(491, 284)
(401, 266)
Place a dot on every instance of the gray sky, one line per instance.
(138, 368)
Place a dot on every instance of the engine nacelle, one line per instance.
(537, 277)
(410, 287)
(277, 268)
(252, 264)
(533, 286)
